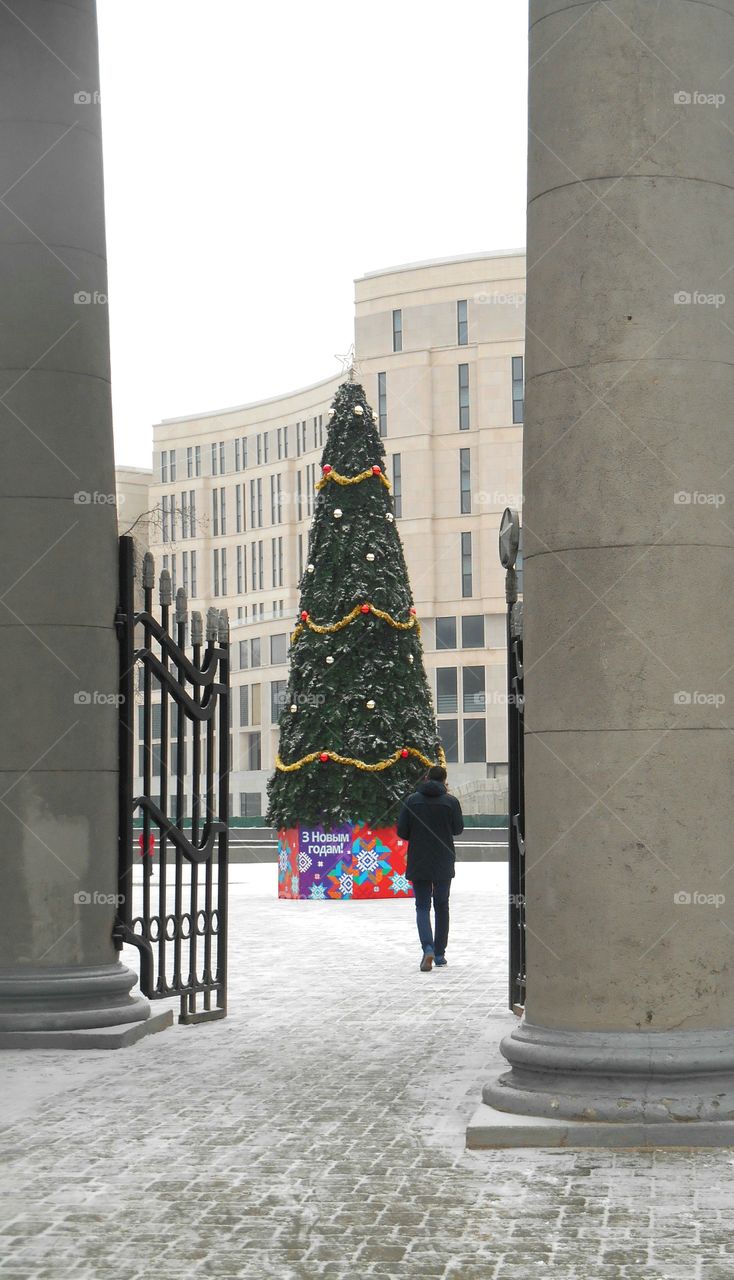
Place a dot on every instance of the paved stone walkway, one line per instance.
(318, 1131)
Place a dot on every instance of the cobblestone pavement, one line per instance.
(319, 1130)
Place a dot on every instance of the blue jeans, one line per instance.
(439, 890)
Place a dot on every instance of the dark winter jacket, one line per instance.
(429, 820)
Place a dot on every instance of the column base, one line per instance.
(98, 1038)
(489, 1128)
(619, 1078)
(56, 1001)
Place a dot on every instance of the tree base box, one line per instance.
(349, 862)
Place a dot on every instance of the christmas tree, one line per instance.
(358, 729)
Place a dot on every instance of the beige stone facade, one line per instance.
(437, 345)
(135, 512)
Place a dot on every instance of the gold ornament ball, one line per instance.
(370, 705)
(309, 568)
(293, 707)
(358, 409)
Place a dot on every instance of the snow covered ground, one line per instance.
(319, 1129)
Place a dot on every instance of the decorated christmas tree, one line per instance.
(358, 729)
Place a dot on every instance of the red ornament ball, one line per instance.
(364, 608)
(412, 611)
(376, 471)
(324, 756)
(304, 615)
(405, 753)
(326, 468)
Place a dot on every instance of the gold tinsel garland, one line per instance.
(360, 764)
(331, 627)
(363, 475)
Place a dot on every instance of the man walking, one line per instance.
(429, 820)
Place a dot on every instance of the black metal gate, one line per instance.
(175, 910)
(509, 546)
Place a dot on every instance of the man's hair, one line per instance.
(437, 773)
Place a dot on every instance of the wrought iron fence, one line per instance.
(175, 912)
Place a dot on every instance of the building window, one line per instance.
(321, 430)
(189, 463)
(449, 733)
(300, 556)
(185, 570)
(310, 486)
(397, 484)
(255, 652)
(397, 330)
(315, 433)
(172, 463)
(251, 804)
(278, 649)
(237, 454)
(239, 571)
(222, 511)
(222, 467)
(258, 449)
(164, 467)
(465, 481)
(285, 442)
(164, 518)
(475, 741)
(238, 508)
(382, 403)
(252, 749)
(253, 522)
(259, 503)
(193, 573)
(518, 389)
(192, 513)
(215, 513)
(466, 565)
(244, 654)
(197, 459)
(445, 633)
(266, 446)
(462, 323)
(299, 496)
(244, 453)
(224, 571)
(474, 696)
(277, 561)
(214, 459)
(173, 575)
(463, 397)
(244, 702)
(216, 572)
(472, 631)
(278, 691)
(184, 514)
(447, 697)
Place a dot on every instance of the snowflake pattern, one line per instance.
(400, 884)
(318, 891)
(304, 862)
(345, 885)
(283, 859)
(368, 860)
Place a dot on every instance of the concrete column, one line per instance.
(59, 972)
(629, 574)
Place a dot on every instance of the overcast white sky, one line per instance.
(259, 157)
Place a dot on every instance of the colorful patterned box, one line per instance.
(348, 862)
